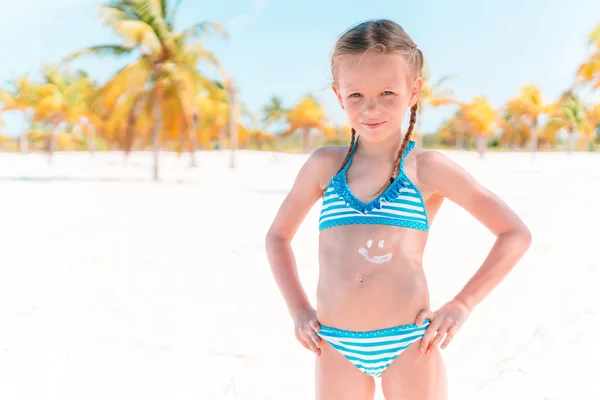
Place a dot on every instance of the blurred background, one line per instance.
(184, 76)
(146, 145)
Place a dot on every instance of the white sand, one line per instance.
(116, 287)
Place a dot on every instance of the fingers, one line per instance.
(430, 334)
(422, 316)
(314, 342)
(315, 325)
(444, 327)
(309, 338)
(449, 336)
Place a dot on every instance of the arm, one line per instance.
(306, 190)
(513, 238)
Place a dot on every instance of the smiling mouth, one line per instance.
(373, 125)
(374, 259)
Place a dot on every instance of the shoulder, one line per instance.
(325, 162)
(439, 172)
(428, 159)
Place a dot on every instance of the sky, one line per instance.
(282, 48)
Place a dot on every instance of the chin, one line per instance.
(380, 134)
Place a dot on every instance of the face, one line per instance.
(375, 90)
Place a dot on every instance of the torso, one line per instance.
(371, 275)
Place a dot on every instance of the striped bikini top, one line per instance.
(401, 204)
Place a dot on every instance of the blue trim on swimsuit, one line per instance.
(373, 351)
(401, 204)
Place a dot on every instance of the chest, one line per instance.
(367, 181)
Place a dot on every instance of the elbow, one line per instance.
(272, 239)
(269, 238)
(524, 236)
(519, 237)
(528, 237)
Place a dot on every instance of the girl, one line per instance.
(380, 197)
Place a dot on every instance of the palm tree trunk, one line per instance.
(534, 138)
(52, 142)
(129, 132)
(193, 140)
(306, 139)
(233, 136)
(23, 142)
(184, 131)
(223, 137)
(24, 137)
(571, 141)
(534, 143)
(459, 140)
(480, 145)
(92, 140)
(156, 116)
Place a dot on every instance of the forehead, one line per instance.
(373, 70)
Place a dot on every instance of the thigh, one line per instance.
(414, 376)
(337, 378)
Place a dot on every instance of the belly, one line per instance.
(371, 277)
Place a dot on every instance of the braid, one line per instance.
(396, 167)
(352, 140)
(411, 126)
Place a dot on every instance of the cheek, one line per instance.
(352, 108)
(395, 107)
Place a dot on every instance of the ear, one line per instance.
(415, 93)
(338, 95)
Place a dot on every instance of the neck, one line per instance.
(381, 150)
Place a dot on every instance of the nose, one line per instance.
(370, 107)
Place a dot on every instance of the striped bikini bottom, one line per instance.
(373, 351)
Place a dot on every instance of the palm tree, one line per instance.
(23, 97)
(531, 107)
(593, 118)
(432, 95)
(307, 115)
(515, 130)
(480, 119)
(165, 66)
(63, 102)
(569, 112)
(454, 131)
(273, 112)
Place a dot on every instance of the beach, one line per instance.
(114, 286)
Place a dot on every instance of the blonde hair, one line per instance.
(384, 36)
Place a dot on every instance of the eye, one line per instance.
(355, 95)
(388, 92)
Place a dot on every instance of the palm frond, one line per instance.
(148, 13)
(102, 50)
(443, 79)
(594, 37)
(122, 12)
(203, 28)
(163, 9)
(195, 54)
(6, 98)
(171, 16)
